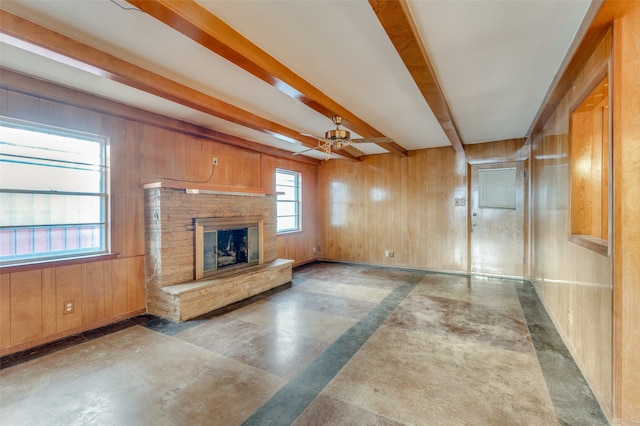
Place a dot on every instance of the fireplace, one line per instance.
(179, 284)
(226, 244)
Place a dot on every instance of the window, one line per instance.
(288, 186)
(589, 151)
(53, 193)
(497, 188)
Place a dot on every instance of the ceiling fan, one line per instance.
(336, 139)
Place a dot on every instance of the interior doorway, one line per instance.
(497, 209)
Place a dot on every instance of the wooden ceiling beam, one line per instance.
(203, 27)
(21, 83)
(31, 37)
(396, 19)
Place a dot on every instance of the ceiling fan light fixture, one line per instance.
(339, 144)
(338, 138)
(337, 134)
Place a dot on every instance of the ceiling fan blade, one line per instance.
(319, 138)
(372, 140)
(306, 150)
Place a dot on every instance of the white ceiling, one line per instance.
(495, 61)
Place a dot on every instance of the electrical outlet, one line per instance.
(388, 253)
(215, 161)
(68, 307)
(314, 250)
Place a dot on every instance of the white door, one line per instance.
(497, 207)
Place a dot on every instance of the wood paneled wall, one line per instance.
(593, 298)
(626, 163)
(402, 204)
(300, 246)
(101, 292)
(144, 147)
(575, 283)
(406, 205)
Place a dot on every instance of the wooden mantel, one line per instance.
(203, 188)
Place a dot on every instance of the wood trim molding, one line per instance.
(194, 188)
(24, 84)
(603, 14)
(9, 269)
(31, 37)
(34, 345)
(598, 245)
(203, 27)
(395, 16)
(475, 162)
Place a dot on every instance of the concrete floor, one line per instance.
(343, 345)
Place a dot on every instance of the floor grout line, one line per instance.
(569, 389)
(294, 397)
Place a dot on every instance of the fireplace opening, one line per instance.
(226, 247)
(225, 244)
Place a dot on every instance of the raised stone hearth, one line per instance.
(182, 302)
(171, 286)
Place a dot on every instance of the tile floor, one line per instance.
(342, 345)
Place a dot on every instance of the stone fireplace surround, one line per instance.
(171, 288)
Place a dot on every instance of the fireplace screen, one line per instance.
(221, 245)
(228, 247)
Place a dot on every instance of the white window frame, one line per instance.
(43, 229)
(282, 197)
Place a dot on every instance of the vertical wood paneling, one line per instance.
(402, 204)
(93, 293)
(68, 288)
(49, 320)
(138, 151)
(118, 184)
(196, 161)
(132, 283)
(5, 310)
(181, 162)
(108, 288)
(134, 203)
(26, 306)
(119, 286)
(134, 268)
(575, 283)
(626, 152)
(390, 203)
(166, 154)
(139, 282)
(147, 150)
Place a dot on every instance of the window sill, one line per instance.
(19, 267)
(598, 245)
(285, 233)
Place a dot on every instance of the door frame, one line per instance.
(526, 272)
